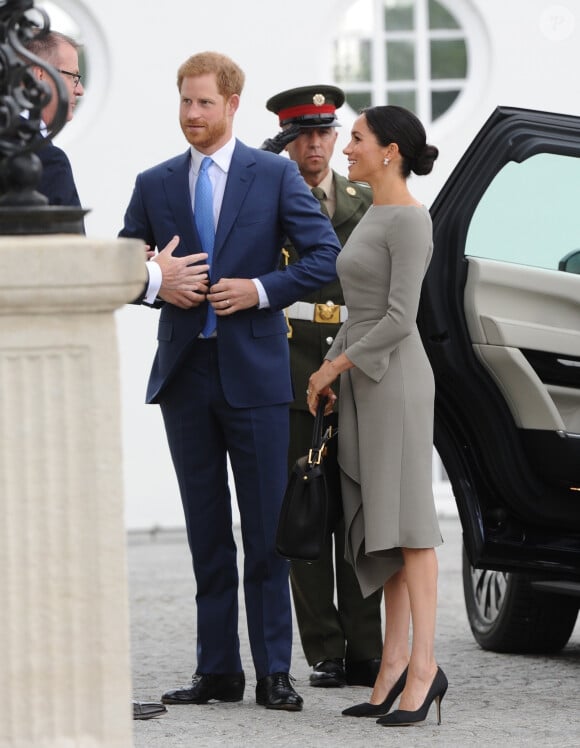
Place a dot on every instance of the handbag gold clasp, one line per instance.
(315, 455)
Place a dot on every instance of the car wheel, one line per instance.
(506, 614)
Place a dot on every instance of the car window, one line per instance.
(529, 215)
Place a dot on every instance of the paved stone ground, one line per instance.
(493, 700)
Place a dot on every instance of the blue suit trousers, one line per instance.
(202, 430)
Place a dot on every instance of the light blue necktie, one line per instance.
(203, 215)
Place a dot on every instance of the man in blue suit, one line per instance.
(224, 387)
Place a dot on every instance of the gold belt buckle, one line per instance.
(328, 313)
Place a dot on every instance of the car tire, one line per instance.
(506, 614)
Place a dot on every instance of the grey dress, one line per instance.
(386, 401)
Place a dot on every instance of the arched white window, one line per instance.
(414, 53)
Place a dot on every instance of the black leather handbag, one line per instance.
(305, 521)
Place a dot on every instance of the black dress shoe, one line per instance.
(328, 674)
(362, 673)
(208, 687)
(275, 692)
(147, 709)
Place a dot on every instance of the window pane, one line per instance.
(352, 60)
(448, 59)
(399, 15)
(358, 100)
(419, 47)
(440, 17)
(400, 58)
(441, 101)
(538, 228)
(408, 99)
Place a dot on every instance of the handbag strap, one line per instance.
(319, 437)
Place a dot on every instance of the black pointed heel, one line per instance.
(401, 717)
(366, 709)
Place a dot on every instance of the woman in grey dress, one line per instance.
(386, 411)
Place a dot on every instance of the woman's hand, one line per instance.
(319, 386)
(313, 400)
(320, 381)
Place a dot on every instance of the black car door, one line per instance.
(500, 320)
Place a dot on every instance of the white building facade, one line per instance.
(451, 61)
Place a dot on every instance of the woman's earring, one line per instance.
(386, 161)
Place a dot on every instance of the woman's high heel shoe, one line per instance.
(366, 709)
(401, 717)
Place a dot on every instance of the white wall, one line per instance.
(528, 57)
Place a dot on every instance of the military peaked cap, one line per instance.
(308, 106)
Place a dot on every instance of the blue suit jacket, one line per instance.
(265, 201)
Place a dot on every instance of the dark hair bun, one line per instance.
(423, 164)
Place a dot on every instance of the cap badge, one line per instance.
(318, 99)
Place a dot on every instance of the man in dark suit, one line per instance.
(57, 181)
(222, 373)
(342, 641)
(60, 51)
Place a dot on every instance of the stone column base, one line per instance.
(65, 673)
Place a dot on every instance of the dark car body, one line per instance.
(500, 321)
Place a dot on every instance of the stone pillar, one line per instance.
(64, 625)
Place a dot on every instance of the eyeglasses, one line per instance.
(75, 76)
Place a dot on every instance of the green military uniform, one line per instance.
(351, 630)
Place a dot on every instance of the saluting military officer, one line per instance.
(342, 642)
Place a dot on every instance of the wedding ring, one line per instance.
(228, 302)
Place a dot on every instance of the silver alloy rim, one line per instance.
(489, 591)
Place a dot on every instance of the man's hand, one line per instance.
(230, 295)
(183, 283)
(281, 139)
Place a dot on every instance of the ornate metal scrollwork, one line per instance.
(22, 99)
